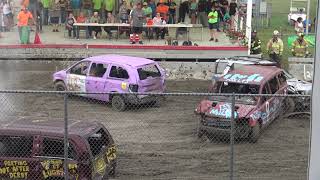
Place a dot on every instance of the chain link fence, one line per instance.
(172, 136)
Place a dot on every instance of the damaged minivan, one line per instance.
(251, 113)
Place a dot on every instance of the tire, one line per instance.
(289, 105)
(255, 133)
(118, 103)
(158, 102)
(200, 132)
(60, 86)
(112, 173)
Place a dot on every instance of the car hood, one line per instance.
(223, 109)
(300, 85)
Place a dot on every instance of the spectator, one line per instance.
(108, 6)
(172, 12)
(147, 10)
(129, 4)
(82, 19)
(137, 18)
(24, 17)
(255, 43)
(54, 14)
(110, 19)
(298, 27)
(233, 11)
(193, 11)
(97, 6)
(96, 29)
(63, 10)
(46, 5)
(69, 25)
(213, 22)
(158, 20)
(309, 25)
(163, 10)
(153, 6)
(275, 48)
(183, 10)
(203, 18)
(68, 7)
(226, 21)
(7, 15)
(76, 5)
(87, 7)
(123, 13)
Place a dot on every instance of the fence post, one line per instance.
(232, 137)
(66, 144)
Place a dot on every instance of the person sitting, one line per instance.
(82, 19)
(110, 19)
(96, 29)
(158, 20)
(69, 25)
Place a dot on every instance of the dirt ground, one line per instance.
(161, 143)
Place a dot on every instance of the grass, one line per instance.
(279, 21)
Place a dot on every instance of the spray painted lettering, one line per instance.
(269, 111)
(243, 78)
(15, 169)
(223, 110)
(54, 168)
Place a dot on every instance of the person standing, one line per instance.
(172, 12)
(63, 10)
(300, 47)
(183, 10)
(87, 7)
(213, 22)
(7, 15)
(233, 11)
(24, 17)
(46, 5)
(275, 48)
(193, 11)
(203, 18)
(153, 6)
(255, 44)
(108, 7)
(298, 26)
(76, 5)
(54, 14)
(97, 4)
(137, 19)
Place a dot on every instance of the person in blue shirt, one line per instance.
(305, 25)
(76, 5)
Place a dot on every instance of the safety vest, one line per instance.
(275, 47)
(213, 17)
(300, 48)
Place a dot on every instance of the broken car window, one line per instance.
(98, 142)
(16, 146)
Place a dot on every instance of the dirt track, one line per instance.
(160, 143)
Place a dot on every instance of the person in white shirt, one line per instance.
(160, 31)
(298, 27)
(7, 15)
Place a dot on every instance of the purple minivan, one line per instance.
(113, 73)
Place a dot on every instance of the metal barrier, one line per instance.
(57, 135)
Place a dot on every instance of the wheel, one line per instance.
(255, 133)
(158, 102)
(289, 105)
(60, 86)
(118, 103)
(200, 132)
(113, 170)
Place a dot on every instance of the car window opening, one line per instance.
(98, 142)
(148, 71)
(118, 72)
(55, 148)
(98, 70)
(15, 146)
(80, 69)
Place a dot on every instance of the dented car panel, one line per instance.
(249, 111)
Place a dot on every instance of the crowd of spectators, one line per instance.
(134, 12)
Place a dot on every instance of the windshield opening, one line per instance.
(98, 141)
(148, 71)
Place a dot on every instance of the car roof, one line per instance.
(250, 74)
(246, 60)
(52, 126)
(127, 60)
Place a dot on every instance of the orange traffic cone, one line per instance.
(37, 39)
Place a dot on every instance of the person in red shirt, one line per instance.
(24, 18)
(82, 19)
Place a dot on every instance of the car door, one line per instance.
(118, 79)
(17, 160)
(76, 77)
(52, 159)
(96, 81)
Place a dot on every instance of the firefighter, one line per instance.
(255, 43)
(275, 48)
(300, 47)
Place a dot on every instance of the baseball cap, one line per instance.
(145, 3)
